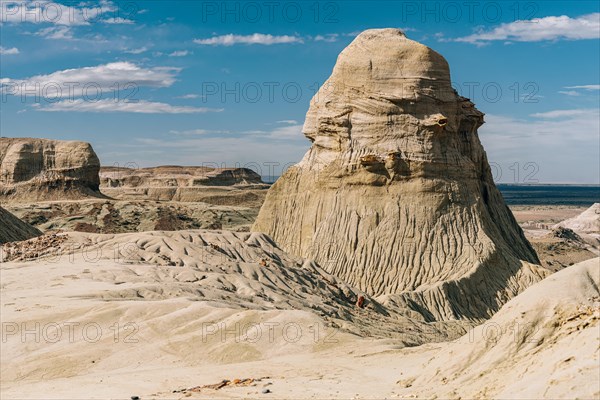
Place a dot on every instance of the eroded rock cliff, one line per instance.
(395, 195)
(42, 169)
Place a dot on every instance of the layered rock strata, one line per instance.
(395, 195)
(42, 169)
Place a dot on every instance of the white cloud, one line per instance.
(179, 53)
(267, 39)
(539, 29)
(569, 92)
(253, 152)
(136, 51)
(330, 38)
(292, 131)
(90, 81)
(565, 113)
(256, 38)
(109, 105)
(257, 149)
(586, 87)
(198, 132)
(56, 32)
(561, 144)
(118, 21)
(189, 96)
(46, 11)
(287, 132)
(7, 52)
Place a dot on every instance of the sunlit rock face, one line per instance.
(395, 195)
(41, 169)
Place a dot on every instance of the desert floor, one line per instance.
(83, 325)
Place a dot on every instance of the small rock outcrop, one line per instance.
(42, 169)
(395, 195)
(586, 222)
(12, 229)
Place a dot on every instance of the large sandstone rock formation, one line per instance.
(42, 169)
(395, 195)
(221, 186)
(12, 229)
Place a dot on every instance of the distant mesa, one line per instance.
(223, 186)
(177, 176)
(41, 169)
(52, 170)
(395, 195)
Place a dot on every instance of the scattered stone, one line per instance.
(222, 384)
(46, 245)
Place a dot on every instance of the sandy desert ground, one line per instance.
(123, 216)
(216, 314)
(87, 325)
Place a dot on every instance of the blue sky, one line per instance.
(229, 83)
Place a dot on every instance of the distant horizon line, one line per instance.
(497, 183)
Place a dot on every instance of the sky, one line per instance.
(228, 83)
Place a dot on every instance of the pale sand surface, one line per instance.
(552, 352)
(545, 213)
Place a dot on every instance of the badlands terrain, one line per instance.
(385, 264)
